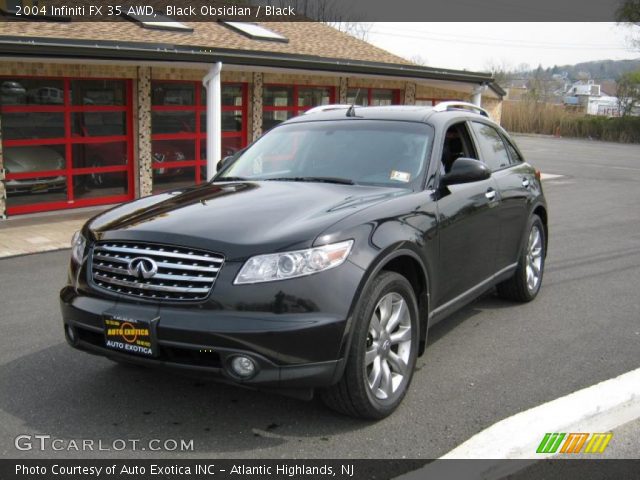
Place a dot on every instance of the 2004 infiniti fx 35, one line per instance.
(317, 258)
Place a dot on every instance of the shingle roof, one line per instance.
(305, 38)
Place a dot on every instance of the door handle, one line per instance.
(490, 194)
(525, 182)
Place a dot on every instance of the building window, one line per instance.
(179, 130)
(373, 96)
(281, 102)
(67, 142)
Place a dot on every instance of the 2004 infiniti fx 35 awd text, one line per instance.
(317, 258)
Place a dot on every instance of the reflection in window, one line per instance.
(100, 184)
(277, 96)
(99, 124)
(372, 96)
(492, 147)
(173, 121)
(96, 155)
(26, 91)
(281, 102)
(32, 125)
(98, 92)
(173, 93)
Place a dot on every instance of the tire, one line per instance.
(520, 287)
(353, 395)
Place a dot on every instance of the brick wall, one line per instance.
(66, 70)
(425, 91)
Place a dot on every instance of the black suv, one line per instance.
(317, 258)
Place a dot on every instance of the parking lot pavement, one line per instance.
(487, 362)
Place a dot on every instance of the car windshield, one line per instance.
(387, 153)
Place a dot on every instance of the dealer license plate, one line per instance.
(130, 336)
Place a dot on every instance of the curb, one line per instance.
(598, 408)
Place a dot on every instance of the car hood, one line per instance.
(29, 159)
(239, 219)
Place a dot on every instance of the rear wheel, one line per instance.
(383, 351)
(527, 279)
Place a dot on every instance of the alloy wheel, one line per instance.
(388, 350)
(534, 259)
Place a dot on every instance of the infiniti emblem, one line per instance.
(142, 267)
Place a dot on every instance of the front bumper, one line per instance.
(294, 350)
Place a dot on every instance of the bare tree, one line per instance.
(628, 92)
(629, 13)
(418, 60)
(501, 70)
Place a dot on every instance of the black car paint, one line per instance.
(458, 241)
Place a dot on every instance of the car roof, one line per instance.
(407, 113)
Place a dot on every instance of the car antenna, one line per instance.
(351, 111)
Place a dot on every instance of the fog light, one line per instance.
(243, 366)
(71, 334)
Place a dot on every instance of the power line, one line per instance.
(498, 42)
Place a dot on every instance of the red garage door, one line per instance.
(179, 130)
(67, 142)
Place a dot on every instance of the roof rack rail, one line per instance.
(454, 105)
(326, 108)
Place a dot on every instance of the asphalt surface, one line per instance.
(489, 361)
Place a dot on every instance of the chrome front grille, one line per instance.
(179, 273)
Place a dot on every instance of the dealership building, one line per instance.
(96, 113)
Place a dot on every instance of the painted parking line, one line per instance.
(550, 176)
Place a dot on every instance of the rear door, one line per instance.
(514, 179)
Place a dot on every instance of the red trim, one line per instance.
(69, 140)
(47, 206)
(43, 173)
(182, 163)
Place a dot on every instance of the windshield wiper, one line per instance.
(342, 181)
(230, 179)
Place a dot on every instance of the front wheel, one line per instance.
(527, 279)
(383, 351)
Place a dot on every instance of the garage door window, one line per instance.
(282, 102)
(373, 96)
(67, 142)
(179, 126)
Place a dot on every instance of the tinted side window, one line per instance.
(494, 152)
(515, 156)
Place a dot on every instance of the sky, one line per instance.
(477, 46)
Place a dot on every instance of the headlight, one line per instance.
(280, 266)
(78, 244)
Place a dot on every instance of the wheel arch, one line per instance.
(541, 211)
(404, 260)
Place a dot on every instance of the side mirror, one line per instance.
(229, 159)
(466, 170)
(224, 162)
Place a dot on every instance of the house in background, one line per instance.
(588, 97)
(99, 113)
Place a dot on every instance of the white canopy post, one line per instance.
(476, 97)
(211, 82)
